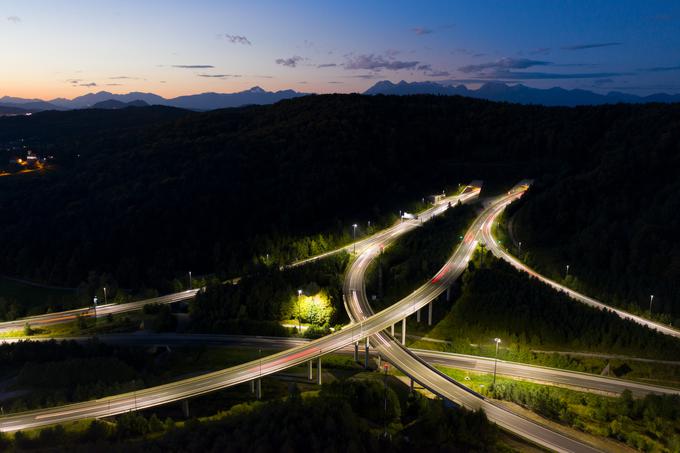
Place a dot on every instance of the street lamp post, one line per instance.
(298, 311)
(651, 299)
(105, 297)
(95, 308)
(354, 237)
(385, 397)
(520, 249)
(190, 280)
(495, 363)
(567, 274)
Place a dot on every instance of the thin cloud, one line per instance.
(327, 65)
(14, 19)
(289, 62)
(376, 63)
(591, 45)
(540, 51)
(422, 31)
(503, 64)
(89, 85)
(193, 66)
(219, 76)
(335, 82)
(363, 76)
(663, 69)
(123, 78)
(114, 84)
(513, 75)
(238, 39)
(439, 74)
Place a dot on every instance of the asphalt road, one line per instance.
(209, 382)
(498, 251)
(426, 375)
(102, 310)
(478, 364)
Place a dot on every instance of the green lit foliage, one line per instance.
(314, 308)
(270, 295)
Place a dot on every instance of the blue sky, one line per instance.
(65, 48)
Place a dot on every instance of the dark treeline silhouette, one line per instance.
(416, 257)
(266, 296)
(217, 191)
(499, 301)
(345, 417)
(616, 220)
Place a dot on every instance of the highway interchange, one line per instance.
(426, 375)
(246, 372)
(365, 323)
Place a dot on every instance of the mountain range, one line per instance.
(203, 101)
(519, 94)
(493, 91)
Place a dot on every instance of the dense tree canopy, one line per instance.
(214, 192)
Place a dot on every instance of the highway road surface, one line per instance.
(430, 378)
(249, 371)
(497, 250)
(102, 310)
(469, 192)
(477, 364)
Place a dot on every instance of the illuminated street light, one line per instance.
(354, 237)
(520, 248)
(95, 308)
(651, 299)
(105, 298)
(298, 311)
(495, 363)
(190, 280)
(567, 274)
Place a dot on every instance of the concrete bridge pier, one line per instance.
(185, 408)
(418, 315)
(258, 389)
(356, 351)
(318, 370)
(368, 348)
(429, 314)
(310, 372)
(403, 331)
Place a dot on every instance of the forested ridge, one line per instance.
(217, 191)
(616, 221)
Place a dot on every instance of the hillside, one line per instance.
(213, 191)
(615, 221)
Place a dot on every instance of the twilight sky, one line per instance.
(66, 48)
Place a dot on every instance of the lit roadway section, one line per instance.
(490, 242)
(102, 310)
(556, 376)
(469, 192)
(249, 371)
(360, 312)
